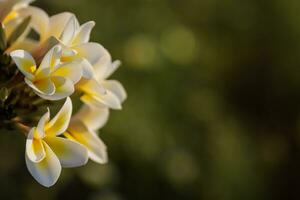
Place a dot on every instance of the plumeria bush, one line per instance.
(44, 59)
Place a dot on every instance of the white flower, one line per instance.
(73, 38)
(7, 7)
(46, 153)
(83, 127)
(52, 80)
(12, 13)
(99, 91)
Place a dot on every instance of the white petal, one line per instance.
(110, 99)
(83, 35)
(96, 148)
(34, 147)
(116, 88)
(70, 70)
(93, 117)
(97, 151)
(104, 67)
(48, 170)
(91, 87)
(40, 129)
(51, 59)
(63, 88)
(69, 31)
(26, 44)
(87, 69)
(112, 68)
(42, 87)
(91, 51)
(91, 101)
(60, 122)
(69, 153)
(57, 24)
(24, 62)
(22, 4)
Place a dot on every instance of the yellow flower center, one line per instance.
(12, 15)
(66, 58)
(32, 68)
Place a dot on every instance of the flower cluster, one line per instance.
(44, 59)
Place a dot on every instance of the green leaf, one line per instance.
(3, 43)
(19, 30)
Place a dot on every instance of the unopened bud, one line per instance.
(3, 93)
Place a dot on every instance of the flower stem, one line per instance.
(21, 126)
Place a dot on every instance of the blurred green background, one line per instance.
(213, 108)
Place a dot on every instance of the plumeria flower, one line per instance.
(73, 37)
(83, 127)
(12, 13)
(52, 80)
(46, 153)
(99, 91)
(8, 8)
(56, 64)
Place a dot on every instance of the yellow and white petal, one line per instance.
(69, 153)
(96, 148)
(91, 51)
(48, 170)
(10, 23)
(70, 70)
(108, 99)
(39, 19)
(42, 87)
(83, 35)
(51, 59)
(69, 31)
(34, 147)
(27, 44)
(93, 117)
(116, 88)
(91, 101)
(60, 122)
(6, 7)
(57, 24)
(42, 74)
(64, 88)
(24, 62)
(91, 87)
(40, 129)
